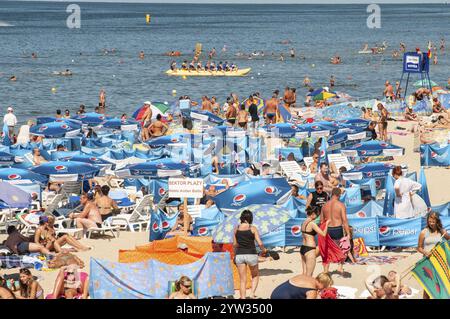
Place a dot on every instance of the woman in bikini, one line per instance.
(105, 204)
(90, 216)
(46, 236)
(308, 249)
(183, 225)
(242, 117)
(183, 289)
(71, 283)
(29, 288)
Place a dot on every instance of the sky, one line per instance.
(256, 1)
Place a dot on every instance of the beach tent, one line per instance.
(373, 148)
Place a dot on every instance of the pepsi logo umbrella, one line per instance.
(356, 122)
(266, 218)
(167, 139)
(373, 148)
(49, 119)
(317, 129)
(116, 123)
(255, 191)
(16, 174)
(13, 196)
(206, 116)
(6, 158)
(83, 170)
(369, 170)
(91, 118)
(343, 137)
(282, 130)
(54, 129)
(84, 158)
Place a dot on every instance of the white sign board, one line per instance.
(339, 161)
(185, 187)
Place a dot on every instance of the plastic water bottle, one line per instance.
(38, 266)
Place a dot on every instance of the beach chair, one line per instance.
(6, 219)
(137, 218)
(105, 228)
(70, 188)
(339, 160)
(57, 202)
(63, 226)
(26, 227)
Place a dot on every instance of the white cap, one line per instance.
(10, 109)
(147, 103)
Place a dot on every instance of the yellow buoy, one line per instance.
(174, 92)
(53, 90)
(147, 18)
(184, 77)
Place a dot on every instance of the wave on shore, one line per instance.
(5, 24)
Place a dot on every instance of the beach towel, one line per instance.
(378, 260)
(329, 249)
(414, 292)
(15, 261)
(359, 247)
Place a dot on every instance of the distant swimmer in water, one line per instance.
(224, 49)
(285, 41)
(332, 81)
(34, 55)
(395, 54)
(67, 72)
(442, 45)
(281, 57)
(306, 81)
(13, 78)
(336, 60)
(402, 47)
(141, 55)
(292, 53)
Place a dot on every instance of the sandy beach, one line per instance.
(274, 273)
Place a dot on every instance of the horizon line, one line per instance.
(240, 2)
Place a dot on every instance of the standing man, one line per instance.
(102, 100)
(332, 81)
(335, 212)
(253, 111)
(10, 120)
(206, 104)
(271, 109)
(146, 120)
(388, 92)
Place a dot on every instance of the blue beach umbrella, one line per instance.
(15, 174)
(6, 158)
(116, 123)
(91, 118)
(154, 168)
(50, 119)
(318, 129)
(208, 116)
(369, 170)
(83, 170)
(13, 196)
(255, 191)
(266, 218)
(356, 122)
(54, 129)
(84, 158)
(282, 130)
(165, 140)
(373, 148)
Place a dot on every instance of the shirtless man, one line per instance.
(388, 91)
(141, 55)
(206, 104)
(271, 110)
(146, 121)
(231, 113)
(334, 211)
(158, 128)
(102, 98)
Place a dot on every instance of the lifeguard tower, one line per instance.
(418, 63)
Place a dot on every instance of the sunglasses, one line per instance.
(315, 157)
(186, 286)
(319, 188)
